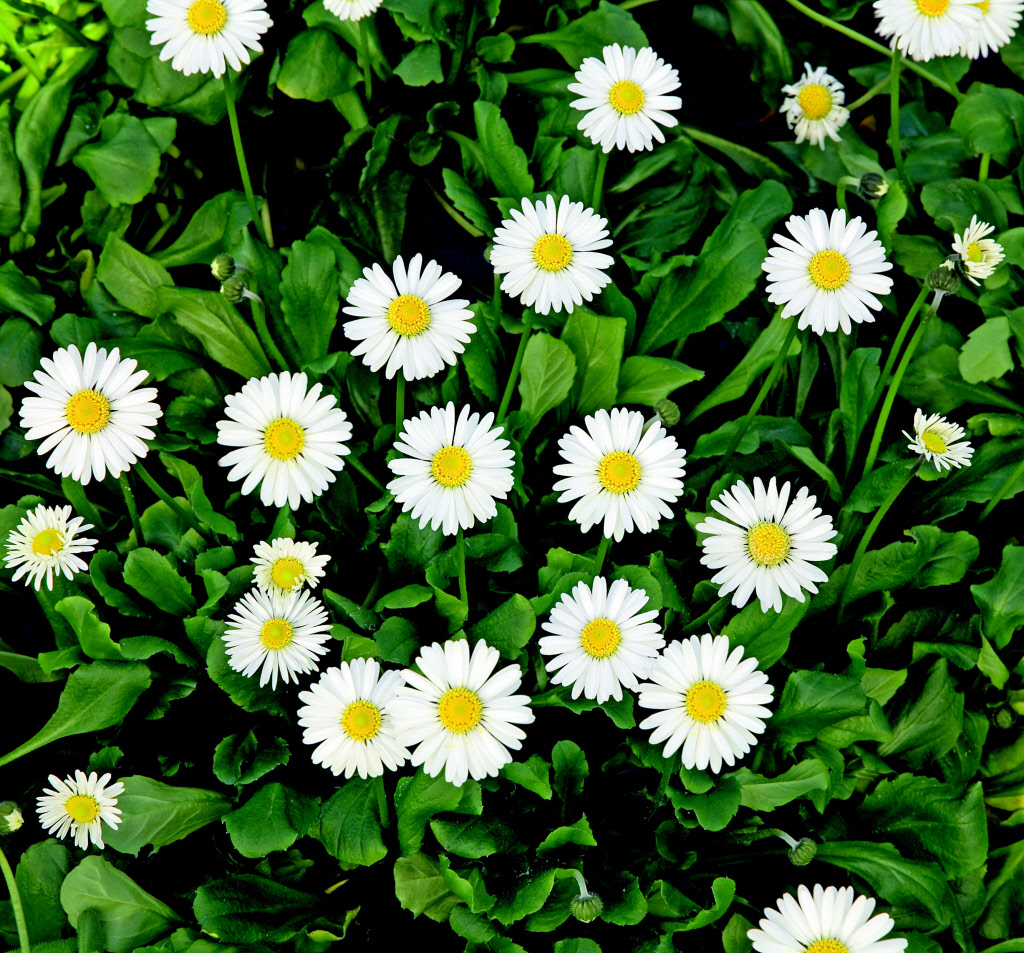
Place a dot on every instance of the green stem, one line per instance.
(173, 504)
(870, 94)
(133, 510)
(359, 467)
(243, 168)
(374, 589)
(986, 158)
(845, 181)
(701, 621)
(27, 59)
(19, 913)
(364, 49)
(513, 376)
(894, 121)
(460, 556)
(1003, 490)
(630, 4)
(259, 314)
(602, 551)
(399, 402)
(13, 80)
(602, 164)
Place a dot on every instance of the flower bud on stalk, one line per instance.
(587, 906)
(943, 281)
(10, 817)
(223, 267)
(872, 186)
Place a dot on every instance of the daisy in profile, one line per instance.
(619, 475)
(936, 439)
(926, 28)
(828, 272)
(346, 716)
(281, 636)
(90, 412)
(624, 98)
(814, 106)
(829, 920)
(284, 565)
(766, 544)
(288, 437)
(201, 34)
(451, 469)
(999, 21)
(550, 257)
(351, 10)
(601, 640)
(978, 255)
(45, 543)
(79, 805)
(462, 717)
(409, 323)
(708, 702)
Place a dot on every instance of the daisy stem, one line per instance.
(842, 185)
(986, 158)
(1003, 490)
(259, 314)
(399, 402)
(243, 168)
(364, 49)
(602, 551)
(879, 87)
(133, 510)
(359, 467)
(173, 504)
(701, 621)
(579, 877)
(602, 164)
(894, 121)
(896, 345)
(513, 376)
(460, 556)
(19, 913)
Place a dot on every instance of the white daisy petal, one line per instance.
(79, 805)
(44, 544)
(814, 106)
(996, 28)
(927, 28)
(352, 9)
(979, 255)
(936, 439)
(285, 565)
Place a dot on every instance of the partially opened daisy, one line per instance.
(709, 703)
(998, 23)
(766, 544)
(939, 441)
(289, 438)
(926, 28)
(45, 543)
(284, 565)
(828, 272)
(814, 106)
(550, 257)
(623, 95)
(351, 9)
(346, 716)
(829, 920)
(91, 412)
(462, 717)
(280, 636)
(619, 475)
(978, 255)
(80, 804)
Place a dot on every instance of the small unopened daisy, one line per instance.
(409, 323)
(998, 23)
(829, 920)
(619, 475)
(80, 804)
(462, 717)
(45, 543)
(284, 565)
(766, 544)
(623, 95)
(601, 640)
(452, 468)
(351, 9)
(936, 439)
(550, 257)
(346, 716)
(978, 255)
(91, 412)
(282, 636)
(828, 272)
(709, 703)
(926, 28)
(289, 438)
(814, 106)
(201, 35)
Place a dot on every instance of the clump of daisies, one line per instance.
(814, 106)
(978, 255)
(46, 543)
(285, 565)
(80, 805)
(924, 29)
(939, 441)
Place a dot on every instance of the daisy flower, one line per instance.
(351, 10)
(709, 703)
(814, 106)
(282, 566)
(619, 475)
(451, 469)
(346, 716)
(290, 438)
(550, 258)
(926, 28)
(201, 34)
(461, 717)
(88, 409)
(44, 543)
(78, 805)
(829, 274)
(283, 635)
(935, 439)
(624, 98)
(979, 255)
(830, 920)
(601, 640)
(408, 324)
(768, 544)
(999, 19)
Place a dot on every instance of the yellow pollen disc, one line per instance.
(207, 17)
(827, 946)
(82, 808)
(600, 638)
(48, 542)
(460, 710)
(409, 315)
(451, 466)
(983, 6)
(287, 572)
(361, 720)
(87, 411)
(829, 270)
(619, 472)
(930, 8)
(815, 101)
(705, 702)
(933, 442)
(284, 439)
(276, 634)
(626, 97)
(974, 252)
(552, 252)
(767, 543)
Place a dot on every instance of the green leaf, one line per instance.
(930, 725)
(41, 870)
(466, 201)
(420, 888)
(473, 837)
(316, 68)
(238, 759)
(530, 896)
(813, 700)
(272, 819)
(578, 833)
(217, 225)
(986, 354)
(715, 808)
(953, 202)
(571, 769)
(723, 890)
(1001, 599)
(125, 162)
(577, 945)
(546, 378)
(192, 483)
(859, 379)
(309, 297)
(396, 640)
(252, 910)
(531, 774)
(506, 163)
(765, 794)
(244, 691)
(421, 797)
(756, 32)
(589, 34)
(765, 635)
(19, 294)
(508, 628)
(646, 380)
(154, 578)
(421, 65)
(20, 351)
(93, 635)
(597, 344)
(410, 546)
(131, 277)
(470, 889)
(405, 598)
(350, 823)
(991, 119)
(990, 664)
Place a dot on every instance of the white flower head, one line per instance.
(999, 21)
(550, 258)
(288, 437)
(351, 9)
(814, 106)
(978, 254)
(346, 716)
(45, 543)
(828, 272)
(201, 35)
(766, 544)
(285, 565)
(619, 475)
(91, 412)
(461, 717)
(79, 805)
(926, 28)
(936, 439)
(623, 95)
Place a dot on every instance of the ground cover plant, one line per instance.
(513, 476)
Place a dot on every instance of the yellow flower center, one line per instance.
(284, 439)
(626, 97)
(705, 702)
(82, 808)
(207, 17)
(552, 252)
(815, 101)
(361, 720)
(276, 634)
(933, 442)
(87, 411)
(767, 543)
(287, 572)
(974, 252)
(600, 638)
(930, 8)
(619, 472)
(48, 542)
(829, 270)
(451, 466)
(983, 6)
(827, 946)
(460, 710)
(409, 315)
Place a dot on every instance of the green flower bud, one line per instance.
(223, 267)
(872, 186)
(668, 412)
(1004, 718)
(587, 907)
(233, 289)
(10, 817)
(944, 278)
(803, 853)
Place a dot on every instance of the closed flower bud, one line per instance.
(944, 278)
(872, 186)
(668, 412)
(10, 817)
(587, 907)
(223, 267)
(233, 290)
(803, 853)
